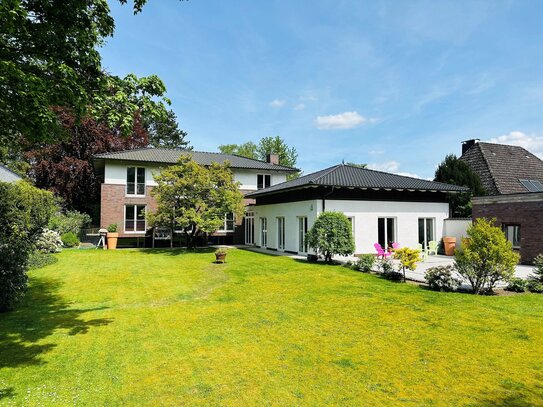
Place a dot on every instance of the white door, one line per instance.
(281, 233)
(302, 231)
(263, 232)
(249, 228)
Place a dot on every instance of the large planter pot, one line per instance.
(220, 258)
(449, 244)
(112, 240)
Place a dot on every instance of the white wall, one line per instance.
(115, 173)
(291, 211)
(365, 214)
(456, 228)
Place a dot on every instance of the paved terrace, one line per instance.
(417, 275)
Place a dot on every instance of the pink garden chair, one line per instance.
(380, 252)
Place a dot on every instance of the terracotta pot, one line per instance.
(449, 244)
(112, 240)
(220, 258)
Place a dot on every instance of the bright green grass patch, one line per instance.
(172, 328)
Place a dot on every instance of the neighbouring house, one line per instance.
(6, 175)
(128, 178)
(382, 207)
(513, 181)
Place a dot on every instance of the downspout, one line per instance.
(324, 198)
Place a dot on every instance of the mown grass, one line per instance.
(172, 328)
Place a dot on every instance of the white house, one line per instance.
(382, 207)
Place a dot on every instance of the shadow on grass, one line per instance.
(38, 316)
(514, 394)
(176, 251)
(7, 392)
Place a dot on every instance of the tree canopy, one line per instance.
(454, 171)
(331, 234)
(195, 198)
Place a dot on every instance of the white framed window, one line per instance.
(426, 231)
(134, 218)
(135, 181)
(302, 232)
(512, 233)
(263, 232)
(280, 233)
(263, 181)
(250, 228)
(386, 232)
(228, 225)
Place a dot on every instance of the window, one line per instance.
(263, 181)
(134, 218)
(263, 232)
(281, 233)
(426, 231)
(302, 232)
(228, 225)
(250, 228)
(532, 185)
(512, 233)
(135, 181)
(386, 232)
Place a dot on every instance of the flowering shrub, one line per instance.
(441, 278)
(49, 241)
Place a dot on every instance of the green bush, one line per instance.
(70, 240)
(408, 259)
(517, 285)
(364, 263)
(48, 241)
(534, 286)
(331, 235)
(441, 278)
(38, 259)
(69, 222)
(385, 266)
(24, 211)
(486, 256)
(393, 276)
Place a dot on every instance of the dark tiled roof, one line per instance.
(6, 175)
(501, 167)
(355, 177)
(171, 156)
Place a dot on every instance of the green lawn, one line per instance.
(173, 328)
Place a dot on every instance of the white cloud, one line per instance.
(376, 152)
(392, 167)
(530, 142)
(346, 120)
(277, 103)
(299, 106)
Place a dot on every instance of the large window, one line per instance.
(263, 181)
(386, 231)
(264, 232)
(228, 225)
(426, 231)
(134, 218)
(250, 228)
(135, 181)
(281, 233)
(512, 233)
(302, 232)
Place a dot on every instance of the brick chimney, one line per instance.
(467, 144)
(272, 159)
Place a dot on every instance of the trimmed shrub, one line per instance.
(534, 286)
(441, 278)
(48, 241)
(517, 285)
(408, 259)
(70, 240)
(330, 235)
(38, 259)
(393, 276)
(364, 263)
(385, 266)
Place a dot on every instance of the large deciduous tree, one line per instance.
(195, 198)
(454, 171)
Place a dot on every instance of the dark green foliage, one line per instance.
(69, 222)
(166, 133)
(24, 211)
(517, 285)
(385, 266)
(454, 171)
(70, 239)
(538, 271)
(364, 263)
(38, 259)
(393, 276)
(331, 235)
(441, 278)
(535, 286)
(112, 228)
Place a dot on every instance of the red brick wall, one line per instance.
(113, 200)
(529, 215)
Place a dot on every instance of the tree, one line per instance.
(24, 211)
(195, 198)
(247, 149)
(331, 235)
(66, 167)
(408, 259)
(49, 57)
(487, 256)
(276, 145)
(454, 171)
(356, 165)
(166, 133)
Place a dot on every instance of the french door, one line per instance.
(302, 231)
(281, 233)
(426, 231)
(250, 228)
(386, 232)
(263, 232)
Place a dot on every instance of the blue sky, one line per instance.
(397, 85)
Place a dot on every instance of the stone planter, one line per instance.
(449, 244)
(112, 238)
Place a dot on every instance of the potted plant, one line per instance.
(220, 255)
(112, 236)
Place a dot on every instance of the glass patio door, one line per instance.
(281, 233)
(249, 228)
(426, 231)
(263, 232)
(302, 231)
(386, 232)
